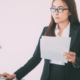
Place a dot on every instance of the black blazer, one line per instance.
(71, 73)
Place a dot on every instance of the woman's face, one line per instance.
(61, 17)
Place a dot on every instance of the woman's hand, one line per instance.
(8, 76)
(71, 56)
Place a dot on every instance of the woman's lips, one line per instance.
(56, 17)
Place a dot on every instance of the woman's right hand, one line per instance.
(8, 76)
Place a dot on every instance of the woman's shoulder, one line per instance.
(45, 27)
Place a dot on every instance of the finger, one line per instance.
(73, 53)
(8, 78)
(66, 54)
(1, 75)
(70, 54)
(68, 58)
(4, 75)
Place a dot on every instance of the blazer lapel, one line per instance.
(73, 33)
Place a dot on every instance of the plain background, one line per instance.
(21, 23)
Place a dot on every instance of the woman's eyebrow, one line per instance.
(58, 6)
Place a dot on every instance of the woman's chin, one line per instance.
(57, 21)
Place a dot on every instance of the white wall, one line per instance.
(21, 23)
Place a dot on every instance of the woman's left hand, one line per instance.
(71, 56)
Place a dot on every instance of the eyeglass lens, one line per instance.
(59, 10)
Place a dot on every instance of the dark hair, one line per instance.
(73, 18)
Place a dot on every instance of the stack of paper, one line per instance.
(53, 47)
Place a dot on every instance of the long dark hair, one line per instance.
(73, 18)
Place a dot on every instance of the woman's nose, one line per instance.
(56, 12)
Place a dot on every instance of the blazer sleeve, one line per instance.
(32, 63)
(75, 66)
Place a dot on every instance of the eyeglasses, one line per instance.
(60, 10)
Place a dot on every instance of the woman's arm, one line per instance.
(32, 63)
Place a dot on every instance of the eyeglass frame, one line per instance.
(58, 9)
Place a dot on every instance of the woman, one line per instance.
(64, 23)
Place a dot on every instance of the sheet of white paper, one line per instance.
(13, 79)
(2, 79)
(53, 47)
